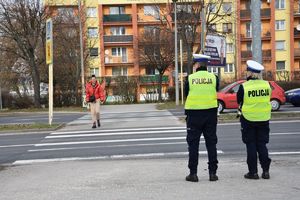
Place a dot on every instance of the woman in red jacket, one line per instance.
(95, 94)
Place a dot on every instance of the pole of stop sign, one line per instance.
(49, 61)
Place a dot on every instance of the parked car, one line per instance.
(293, 96)
(227, 96)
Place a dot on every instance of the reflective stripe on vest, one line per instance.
(256, 105)
(202, 91)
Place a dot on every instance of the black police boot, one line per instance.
(251, 176)
(213, 177)
(98, 122)
(265, 175)
(192, 178)
(94, 125)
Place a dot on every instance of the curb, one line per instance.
(25, 131)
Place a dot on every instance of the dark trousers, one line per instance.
(196, 125)
(256, 136)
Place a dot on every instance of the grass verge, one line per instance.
(167, 105)
(16, 127)
(61, 109)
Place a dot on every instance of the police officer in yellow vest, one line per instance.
(254, 99)
(201, 110)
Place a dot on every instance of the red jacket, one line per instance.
(97, 90)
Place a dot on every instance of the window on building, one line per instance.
(227, 27)
(117, 30)
(212, 7)
(120, 52)
(248, 30)
(91, 12)
(280, 65)
(152, 10)
(94, 52)
(229, 68)
(248, 5)
(227, 7)
(94, 71)
(119, 71)
(92, 32)
(249, 46)
(280, 45)
(153, 30)
(151, 71)
(116, 10)
(184, 8)
(280, 4)
(229, 48)
(212, 27)
(280, 25)
(213, 69)
(66, 12)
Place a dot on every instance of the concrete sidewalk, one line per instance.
(147, 179)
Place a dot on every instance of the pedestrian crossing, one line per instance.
(121, 143)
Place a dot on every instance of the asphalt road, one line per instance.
(28, 118)
(161, 140)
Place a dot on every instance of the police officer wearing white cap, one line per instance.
(254, 99)
(201, 110)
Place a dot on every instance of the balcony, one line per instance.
(297, 12)
(265, 14)
(117, 18)
(297, 53)
(266, 54)
(296, 33)
(153, 79)
(118, 38)
(111, 61)
(248, 37)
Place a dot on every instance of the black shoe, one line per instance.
(192, 178)
(94, 125)
(98, 122)
(265, 175)
(251, 176)
(213, 177)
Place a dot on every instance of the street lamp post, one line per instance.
(81, 53)
(176, 56)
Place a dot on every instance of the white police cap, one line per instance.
(200, 58)
(254, 66)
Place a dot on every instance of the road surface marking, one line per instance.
(17, 145)
(119, 130)
(123, 156)
(285, 153)
(109, 141)
(287, 133)
(110, 146)
(117, 133)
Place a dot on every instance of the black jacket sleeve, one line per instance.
(240, 95)
(186, 87)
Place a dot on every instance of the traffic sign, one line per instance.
(49, 41)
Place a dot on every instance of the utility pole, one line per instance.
(176, 57)
(81, 53)
(203, 28)
(256, 30)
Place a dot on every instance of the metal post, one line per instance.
(203, 29)
(50, 90)
(176, 58)
(1, 99)
(81, 53)
(181, 70)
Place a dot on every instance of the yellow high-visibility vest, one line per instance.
(202, 91)
(256, 104)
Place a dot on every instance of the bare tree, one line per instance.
(156, 50)
(189, 22)
(22, 25)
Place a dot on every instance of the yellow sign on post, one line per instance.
(49, 42)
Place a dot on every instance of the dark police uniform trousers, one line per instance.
(198, 122)
(256, 135)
